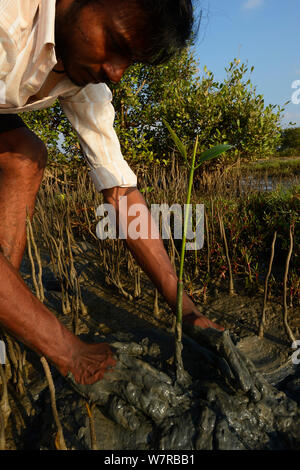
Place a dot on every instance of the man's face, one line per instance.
(93, 45)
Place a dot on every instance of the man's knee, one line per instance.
(21, 151)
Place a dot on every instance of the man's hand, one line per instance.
(200, 321)
(91, 362)
(133, 383)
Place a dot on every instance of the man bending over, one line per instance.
(71, 50)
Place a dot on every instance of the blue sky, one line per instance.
(262, 32)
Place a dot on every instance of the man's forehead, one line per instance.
(124, 34)
(126, 26)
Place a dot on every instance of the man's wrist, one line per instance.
(62, 354)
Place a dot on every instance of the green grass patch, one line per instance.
(274, 167)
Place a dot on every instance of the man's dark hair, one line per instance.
(165, 26)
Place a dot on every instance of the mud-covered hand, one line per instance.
(230, 361)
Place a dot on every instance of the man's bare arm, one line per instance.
(28, 319)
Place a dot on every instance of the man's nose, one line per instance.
(115, 71)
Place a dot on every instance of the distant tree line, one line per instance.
(290, 142)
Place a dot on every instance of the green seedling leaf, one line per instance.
(213, 153)
(177, 141)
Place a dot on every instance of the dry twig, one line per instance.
(263, 317)
(60, 435)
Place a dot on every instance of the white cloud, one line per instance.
(251, 4)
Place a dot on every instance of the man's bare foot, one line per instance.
(201, 321)
(91, 362)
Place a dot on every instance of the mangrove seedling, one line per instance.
(214, 152)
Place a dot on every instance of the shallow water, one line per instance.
(268, 183)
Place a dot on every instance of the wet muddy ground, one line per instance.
(210, 413)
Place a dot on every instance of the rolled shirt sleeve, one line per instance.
(92, 114)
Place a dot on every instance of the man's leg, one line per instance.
(22, 162)
(23, 158)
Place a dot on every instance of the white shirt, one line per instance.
(27, 57)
